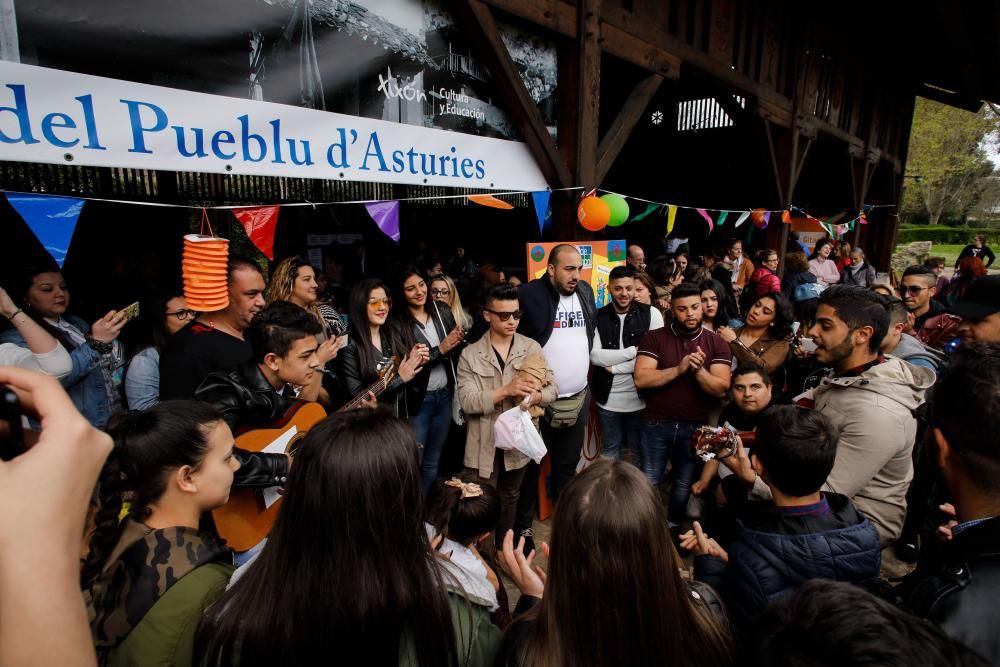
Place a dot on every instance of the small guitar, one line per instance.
(249, 514)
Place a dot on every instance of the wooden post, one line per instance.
(588, 93)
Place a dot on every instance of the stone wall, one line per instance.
(910, 254)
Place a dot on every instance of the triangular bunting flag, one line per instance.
(722, 217)
(260, 223)
(542, 212)
(767, 219)
(703, 213)
(490, 201)
(52, 219)
(786, 217)
(671, 217)
(743, 218)
(386, 216)
(650, 207)
(863, 219)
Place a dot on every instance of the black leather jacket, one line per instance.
(956, 588)
(246, 400)
(353, 381)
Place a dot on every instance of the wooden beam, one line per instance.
(562, 18)
(588, 99)
(478, 21)
(626, 120)
(627, 35)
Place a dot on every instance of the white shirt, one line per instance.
(56, 362)
(621, 362)
(438, 379)
(566, 351)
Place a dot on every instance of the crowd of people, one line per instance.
(860, 415)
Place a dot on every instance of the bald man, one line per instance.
(559, 313)
(636, 257)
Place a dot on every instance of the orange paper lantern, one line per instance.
(204, 269)
(593, 213)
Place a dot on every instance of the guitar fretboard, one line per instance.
(375, 388)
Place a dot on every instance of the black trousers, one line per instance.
(564, 445)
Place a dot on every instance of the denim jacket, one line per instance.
(142, 379)
(85, 383)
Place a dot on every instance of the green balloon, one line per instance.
(619, 209)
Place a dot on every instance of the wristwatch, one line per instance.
(99, 346)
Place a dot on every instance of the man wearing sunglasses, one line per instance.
(916, 289)
(487, 387)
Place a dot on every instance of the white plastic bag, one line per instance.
(513, 429)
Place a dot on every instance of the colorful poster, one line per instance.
(599, 257)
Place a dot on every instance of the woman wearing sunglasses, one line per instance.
(164, 315)
(372, 344)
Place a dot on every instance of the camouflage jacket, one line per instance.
(143, 566)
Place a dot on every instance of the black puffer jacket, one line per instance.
(956, 588)
(775, 552)
(246, 400)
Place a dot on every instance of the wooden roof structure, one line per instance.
(817, 98)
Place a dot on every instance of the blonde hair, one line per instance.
(454, 302)
(282, 284)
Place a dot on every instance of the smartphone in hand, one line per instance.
(11, 429)
(130, 312)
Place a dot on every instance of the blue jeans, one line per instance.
(431, 425)
(618, 429)
(663, 440)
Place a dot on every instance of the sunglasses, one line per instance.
(912, 289)
(375, 303)
(506, 315)
(182, 314)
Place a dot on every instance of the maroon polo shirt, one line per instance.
(682, 400)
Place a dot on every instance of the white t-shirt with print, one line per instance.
(566, 351)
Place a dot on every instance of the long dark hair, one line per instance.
(627, 605)
(347, 569)
(154, 318)
(403, 320)
(148, 446)
(462, 520)
(357, 313)
(22, 285)
(784, 314)
(726, 311)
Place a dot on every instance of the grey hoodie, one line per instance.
(872, 415)
(911, 350)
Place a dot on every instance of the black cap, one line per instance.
(981, 299)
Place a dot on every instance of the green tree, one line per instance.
(947, 161)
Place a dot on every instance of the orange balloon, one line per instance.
(593, 213)
(757, 217)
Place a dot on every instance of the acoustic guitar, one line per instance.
(250, 513)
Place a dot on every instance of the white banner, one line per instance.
(54, 116)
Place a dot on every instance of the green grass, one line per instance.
(948, 251)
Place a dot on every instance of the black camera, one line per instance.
(11, 429)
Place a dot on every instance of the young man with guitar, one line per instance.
(267, 400)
